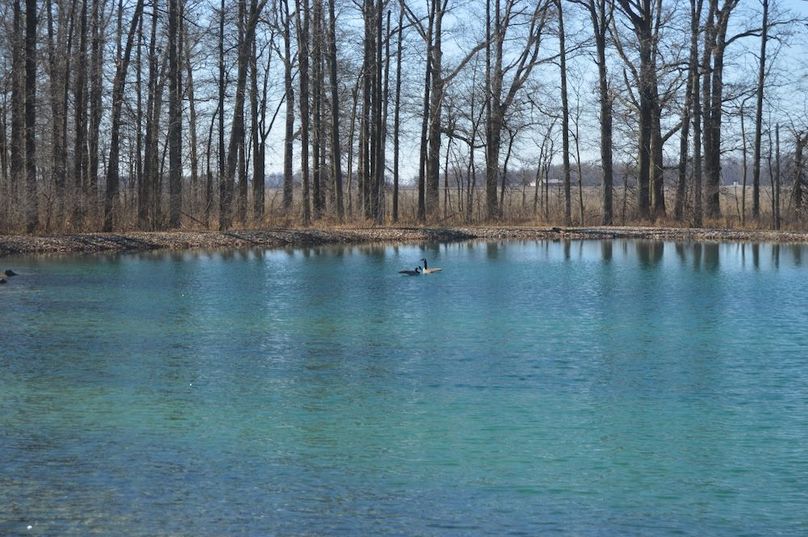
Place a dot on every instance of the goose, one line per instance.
(415, 272)
(428, 270)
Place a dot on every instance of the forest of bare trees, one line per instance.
(220, 114)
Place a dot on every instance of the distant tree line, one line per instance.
(162, 114)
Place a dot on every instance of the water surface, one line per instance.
(584, 388)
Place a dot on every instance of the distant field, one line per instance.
(522, 205)
(519, 207)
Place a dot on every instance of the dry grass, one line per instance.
(523, 220)
(305, 237)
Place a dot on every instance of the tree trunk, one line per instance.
(32, 205)
(422, 155)
(759, 113)
(97, 42)
(237, 135)
(17, 142)
(715, 45)
(209, 172)
(600, 22)
(225, 188)
(511, 136)
(241, 175)
(149, 193)
(706, 88)
(58, 60)
(351, 133)
(175, 56)
(80, 146)
(684, 144)
(397, 114)
(138, 119)
(317, 106)
(646, 128)
(776, 189)
(336, 154)
(580, 174)
(745, 166)
(493, 116)
(118, 86)
(257, 112)
(498, 99)
(366, 136)
(657, 165)
(236, 146)
(303, 56)
(697, 115)
(798, 179)
(289, 136)
(565, 117)
(446, 196)
(192, 120)
(158, 156)
(435, 108)
(5, 187)
(380, 119)
(642, 18)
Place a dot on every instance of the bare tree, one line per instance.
(317, 132)
(336, 156)
(118, 85)
(437, 83)
(59, 48)
(759, 113)
(712, 70)
(95, 103)
(601, 14)
(80, 155)
(289, 94)
(397, 114)
(32, 207)
(18, 133)
(687, 108)
(174, 112)
(89, 114)
(225, 188)
(565, 115)
(192, 113)
(301, 6)
(797, 192)
(644, 17)
(499, 98)
(148, 198)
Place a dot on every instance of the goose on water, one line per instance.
(428, 270)
(414, 272)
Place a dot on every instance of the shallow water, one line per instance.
(586, 388)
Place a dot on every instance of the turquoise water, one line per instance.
(584, 388)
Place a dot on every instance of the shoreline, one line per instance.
(300, 237)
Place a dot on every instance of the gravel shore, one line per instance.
(291, 237)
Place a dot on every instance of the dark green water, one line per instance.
(585, 388)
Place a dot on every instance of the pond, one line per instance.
(587, 388)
